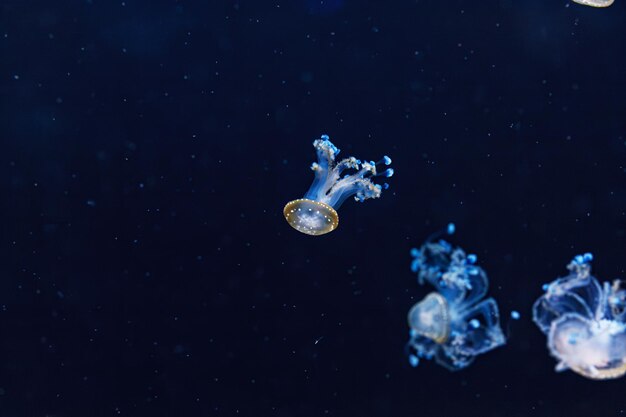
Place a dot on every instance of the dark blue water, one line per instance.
(148, 148)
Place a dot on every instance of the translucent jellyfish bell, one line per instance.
(585, 322)
(430, 318)
(316, 213)
(454, 324)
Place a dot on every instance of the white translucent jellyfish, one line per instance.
(594, 3)
(454, 324)
(585, 322)
(316, 213)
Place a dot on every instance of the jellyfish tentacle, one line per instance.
(483, 332)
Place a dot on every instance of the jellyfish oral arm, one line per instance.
(329, 188)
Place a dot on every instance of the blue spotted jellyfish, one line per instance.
(316, 213)
(453, 324)
(585, 322)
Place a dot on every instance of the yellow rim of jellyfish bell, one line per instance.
(602, 373)
(609, 373)
(331, 214)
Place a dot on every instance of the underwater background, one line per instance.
(148, 149)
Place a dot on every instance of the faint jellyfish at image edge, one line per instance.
(585, 322)
(594, 3)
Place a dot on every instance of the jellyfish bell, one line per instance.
(316, 213)
(593, 349)
(430, 318)
(311, 217)
(594, 3)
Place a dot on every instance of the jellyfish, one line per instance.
(453, 324)
(594, 3)
(316, 213)
(585, 322)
